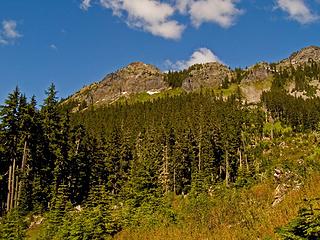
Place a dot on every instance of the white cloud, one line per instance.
(183, 5)
(297, 10)
(3, 41)
(149, 15)
(221, 12)
(9, 29)
(201, 55)
(157, 16)
(114, 5)
(9, 33)
(85, 5)
(53, 46)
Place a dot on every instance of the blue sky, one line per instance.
(76, 42)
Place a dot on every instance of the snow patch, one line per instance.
(152, 92)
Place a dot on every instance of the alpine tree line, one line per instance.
(120, 162)
(301, 112)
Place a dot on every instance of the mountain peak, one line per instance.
(312, 47)
(139, 77)
(136, 67)
(305, 55)
(137, 64)
(206, 75)
(135, 78)
(302, 56)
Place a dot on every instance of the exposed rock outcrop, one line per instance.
(301, 57)
(135, 78)
(206, 75)
(287, 181)
(139, 77)
(258, 72)
(256, 80)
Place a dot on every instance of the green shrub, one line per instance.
(306, 226)
(13, 226)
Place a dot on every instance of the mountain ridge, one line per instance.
(139, 77)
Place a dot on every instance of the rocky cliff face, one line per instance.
(302, 56)
(135, 78)
(205, 76)
(140, 77)
(258, 72)
(258, 78)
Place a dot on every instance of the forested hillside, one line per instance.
(197, 165)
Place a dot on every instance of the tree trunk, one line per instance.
(247, 164)
(174, 181)
(199, 149)
(227, 169)
(13, 184)
(77, 148)
(199, 157)
(9, 189)
(166, 170)
(240, 159)
(16, 192)
(23, 165)
(164, 176)
(24, 157)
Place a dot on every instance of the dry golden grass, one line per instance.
(245, 215)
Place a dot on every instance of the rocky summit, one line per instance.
(302, 56)
(139, 77)
(206, 75)
(258, 72)
(135, 78)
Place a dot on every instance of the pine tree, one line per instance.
(51, 121)
(10, 128)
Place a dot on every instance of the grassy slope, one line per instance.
(260, 85)
(257, 86)
(144, 96)
(246, 213)
(243, 212)
(33, 233)
(232, 89)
